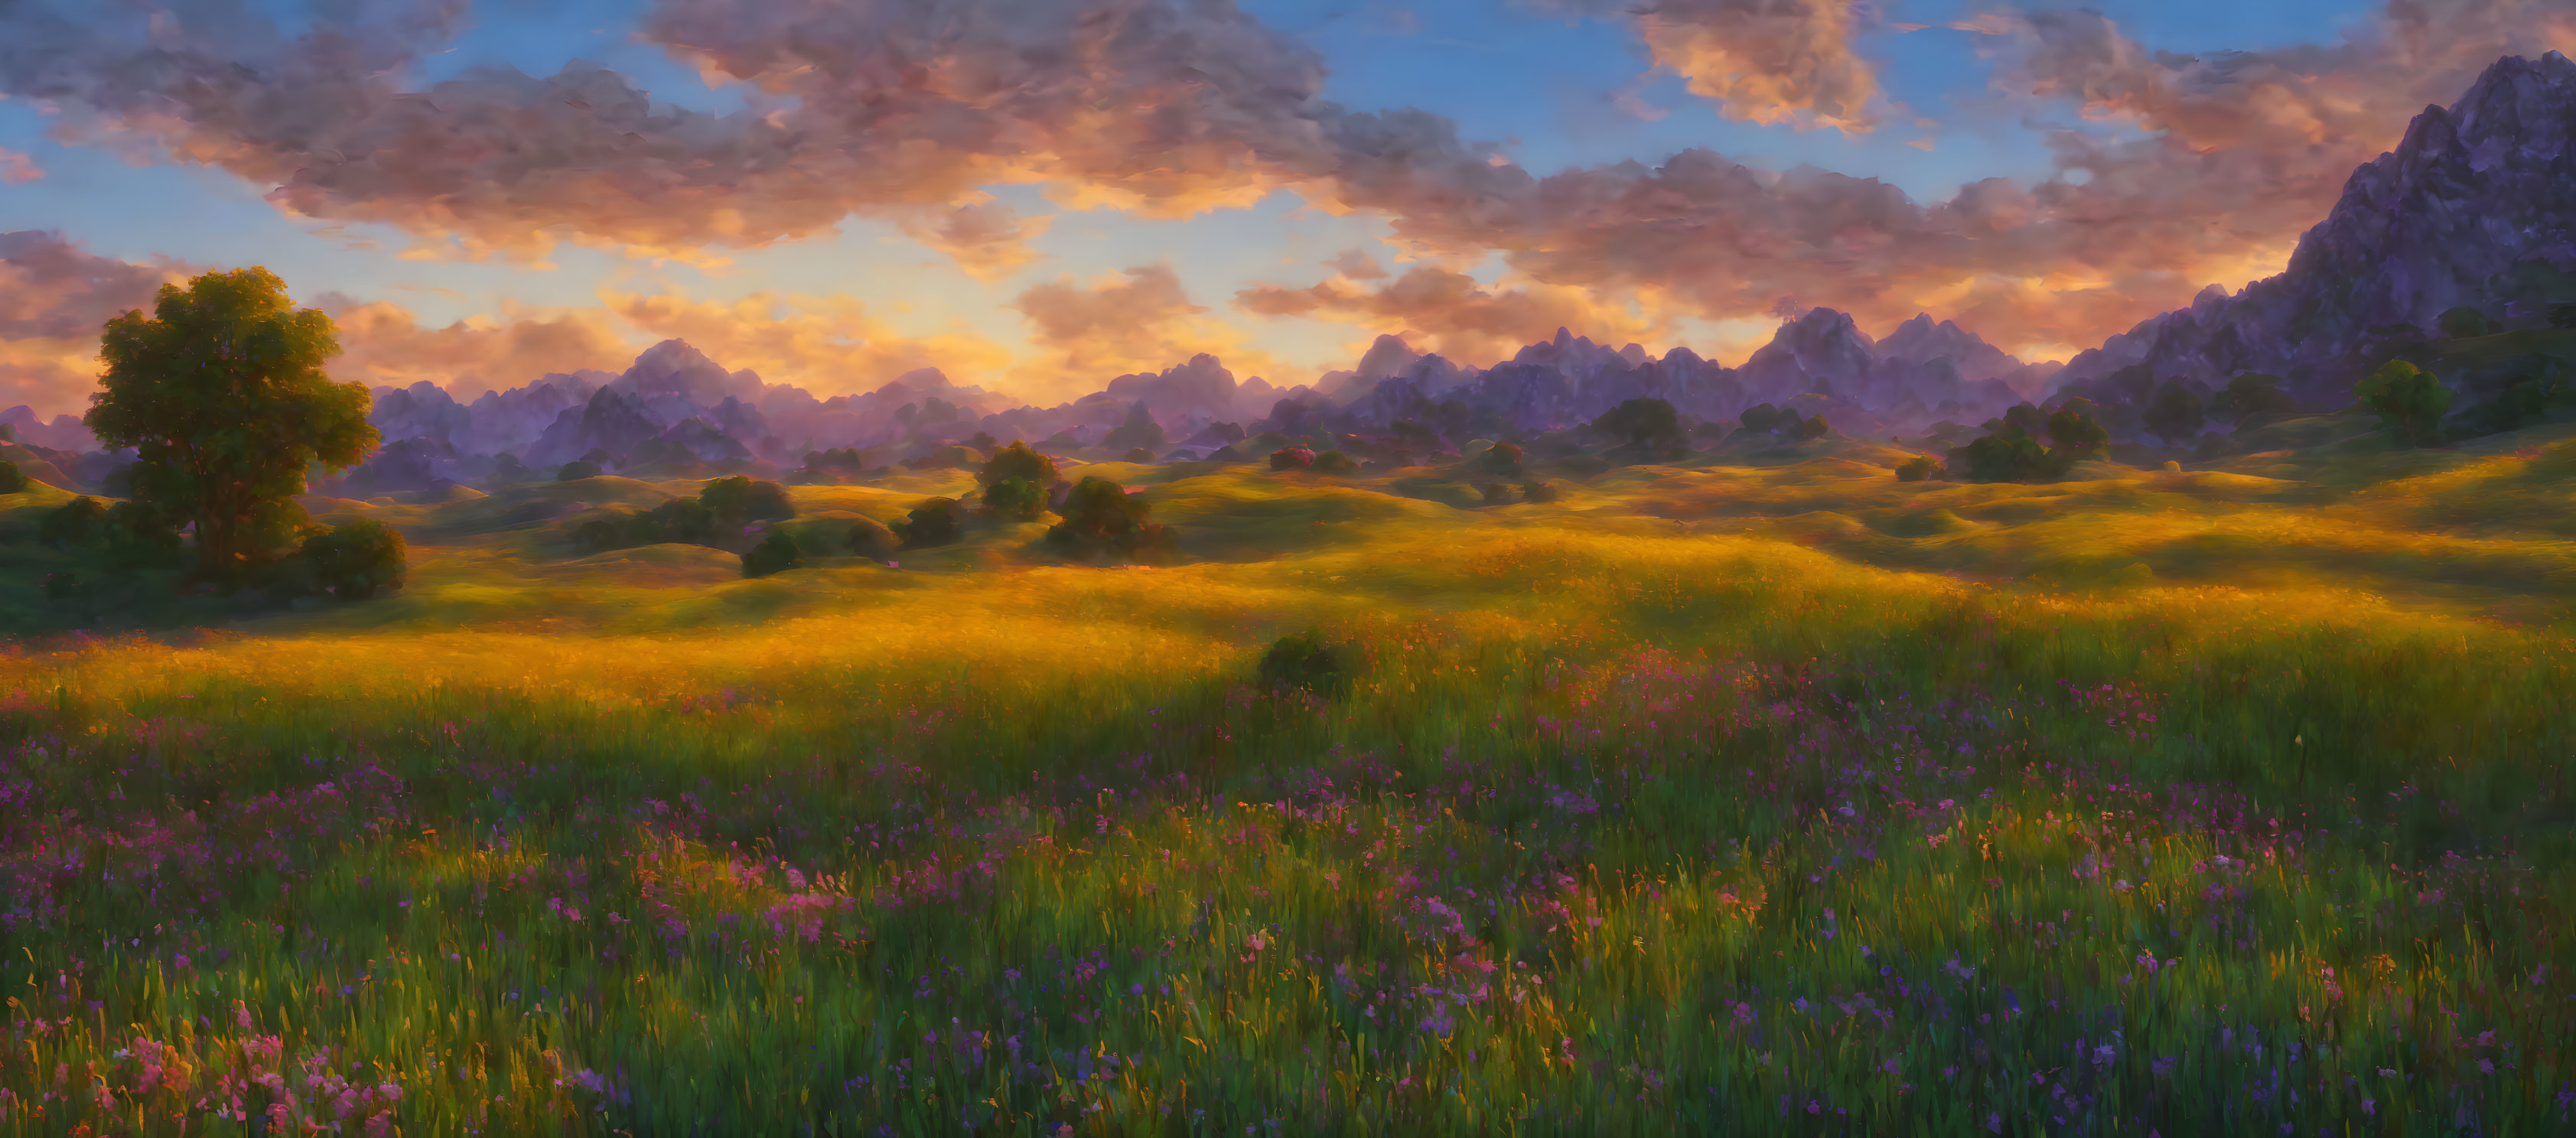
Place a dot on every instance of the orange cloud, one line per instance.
(384, 345)
(54, 299)
(1767, 61)
(828, 345)
(1136, 321)
(18, 169)
(988, 241)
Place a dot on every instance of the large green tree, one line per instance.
(222, 395)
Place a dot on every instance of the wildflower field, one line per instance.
(1739, 797)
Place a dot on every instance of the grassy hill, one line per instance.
(1760, 786)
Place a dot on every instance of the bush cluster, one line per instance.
(1101, 519)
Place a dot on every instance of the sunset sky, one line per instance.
(1038, 195)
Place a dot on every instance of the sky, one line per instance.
(1039, 195)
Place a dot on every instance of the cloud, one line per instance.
(1356, 264)
(828, 345)
(988, 241)
(1767, 61)
(1450, 313)
(18, 169)
(54, 298)
(385, 345)
(1135, 321)
(903, 108)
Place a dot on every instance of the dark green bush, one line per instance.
(869, 537)
(1765, 419)
(1291, 458)
(1102, 519)
(2175, 414)
(78, 522)
(1501, 458)
(139, 537)
(1537, 492)
(678, 520)
(1018, 461)
(12, 479)
(2463, 322)
(1335, 462)
(738, 500)
(1307, 662)
(598, 535)
(2409, 401)
(1814, 427)
(1916, 469)
(933, 522)
(577, 470)
(776, 553)
(356, 561)
(1015, 498)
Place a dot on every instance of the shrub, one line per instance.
(2175, 414)
(1309, 663)
(576, 470)
(1764, 419)
(599, 535)
(1018, 461)
(678, 520)
(1915, 469)
(1496, 494)
(507, 470)
(1648, 426)
(139, 537)
(776, 553)
(933, 522)
(737, 500)
(1537, 492)
(1101, 517)
(1814, 427)
(76, 522)
(1015, 498)
(2074, 432)
(1291, 458)
(356, 561)
(1335, 462)
(2006, 456)
(2462, 323)
(12, 479)
(870, 538)
(2409, 402)
(1501, 458)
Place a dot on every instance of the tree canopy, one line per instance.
(222, 395)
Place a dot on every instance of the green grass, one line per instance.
(1736, 796)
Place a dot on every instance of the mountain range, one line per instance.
(2472, 209)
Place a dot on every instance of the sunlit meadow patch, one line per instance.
(1615, 829)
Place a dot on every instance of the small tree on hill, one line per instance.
(221, 393)
(1502, 459)
(776, 553)
(2174, 414)
(576, 470)
(1017, 499)
(1650, 425)
(1291, 458)
(1814, 427)
(935, 521)
(73, 524)
(1764, 419)
(2075, 435)
(2409, 401)
(362, 559)
(1102, 518)
(1018, 461)
(1915, 469)
(12, 479)
(738, 500)
(2252, 397)
(1335, 462)
(871, 538)
(2463, 323)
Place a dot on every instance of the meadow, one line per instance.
(1759, 793)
